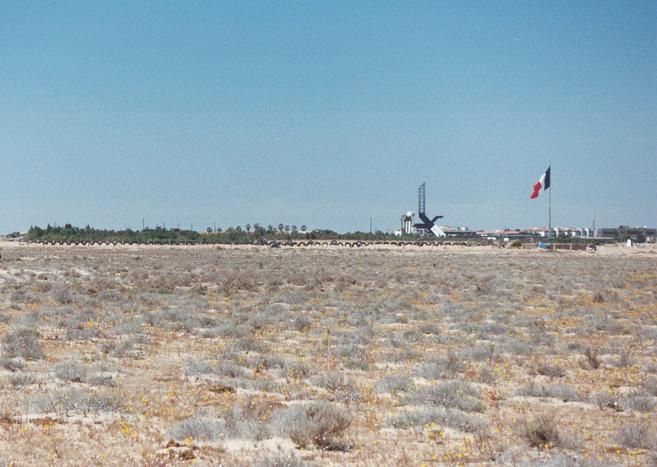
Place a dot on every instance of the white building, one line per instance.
(407, 227)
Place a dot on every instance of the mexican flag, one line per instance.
(542, 184)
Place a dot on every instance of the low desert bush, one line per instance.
(551, 371)
(12, 364)
(479, 352)
(282, 460)
(332, 381)
(268, 361)
(604, 400)
(180, 320)
(132, 326)
(560, 391)
(401, 356)
(623, 360)
(607, 324)
(130, 347)
(514, 346)
(70, 370)
(462, 421)
(29, 320)
(80, 326)
(393, 384)
(486, 375)
(198, 428)
(637, 435)
(22, 343)
(249, 344)
(358, 361)
(651, 367)
(247, 420)
(439, 367)
(429, 328)
(639, 402)
(100, 379)
(63, 296)
(22, 379)
(302, 323)
(75, 400)
(320, 423)
(453, 394)
(541, 431)
(650, 385)
(592, 358)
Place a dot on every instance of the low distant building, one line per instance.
(461, 232)
(623, 233)
(533, 234)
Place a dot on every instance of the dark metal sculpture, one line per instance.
(427, 224)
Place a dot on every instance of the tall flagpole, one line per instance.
(550, 203)
(550, 213)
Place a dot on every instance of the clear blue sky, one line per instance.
(326, 113)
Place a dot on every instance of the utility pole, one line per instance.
(370, 226)
(143, 224)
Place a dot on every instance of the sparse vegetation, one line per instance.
(243, 355)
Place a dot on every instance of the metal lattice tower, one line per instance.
(421, 198)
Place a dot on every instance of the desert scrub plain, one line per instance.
(315, 356)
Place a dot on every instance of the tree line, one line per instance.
(249, 234)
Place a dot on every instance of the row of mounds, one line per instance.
(545, 246)
(271, 243)
(566, 246)
(366, 243)
(107, 243)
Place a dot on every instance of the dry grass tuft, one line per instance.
(541, 432)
